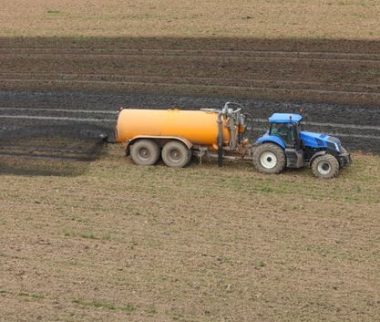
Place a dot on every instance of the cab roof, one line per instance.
(285, 118)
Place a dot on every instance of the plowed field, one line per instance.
(79, 84)
(328, 72)
(87, 236)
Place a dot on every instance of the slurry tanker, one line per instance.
(175, 135)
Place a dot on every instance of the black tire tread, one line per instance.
(151, 146)
(274, 149)
(186, 154)
(334, 164)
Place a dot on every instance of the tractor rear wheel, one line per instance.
(325, 166)
(175, 154)
(269, 158)
(145, 152)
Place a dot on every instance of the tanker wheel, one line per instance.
(145, 152)
(269, 158)
(325, 166)
(175, 154)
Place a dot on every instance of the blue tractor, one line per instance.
(287, 145)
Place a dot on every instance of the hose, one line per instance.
(220, 139)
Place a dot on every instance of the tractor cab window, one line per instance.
(286, 131)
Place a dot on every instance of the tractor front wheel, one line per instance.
(269, 158)
(325, 166)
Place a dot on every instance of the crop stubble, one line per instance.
(199, 244)
(333, 19)
(113, 241)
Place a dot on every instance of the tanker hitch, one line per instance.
(233, 119)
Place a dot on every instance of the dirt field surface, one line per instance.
(122, 242)
(324, 19)
(68, 124)
(342, 72)
(85, 235)
(107, 240)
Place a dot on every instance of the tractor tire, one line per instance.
(145, 152)
(325, 166)
(175, 154)
(269, 158)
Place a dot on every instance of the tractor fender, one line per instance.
(315, 155)
(158, 138)
(271, 139)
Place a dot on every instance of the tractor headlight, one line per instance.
(335, 146)
(338, 147)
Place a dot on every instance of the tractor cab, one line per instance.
(287, 127)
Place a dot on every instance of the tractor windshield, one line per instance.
(286, 131)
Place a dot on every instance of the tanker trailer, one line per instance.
(175, 135)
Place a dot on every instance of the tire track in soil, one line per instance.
(87, 116)
(269, 73)
(191, 53)
(189, 74)
(49, 141)
(370, 89)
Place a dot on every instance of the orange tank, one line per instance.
(198, 127)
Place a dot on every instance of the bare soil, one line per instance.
(333, 19)
(87, 236)
(344, 72)
(122, 242)
(61, 120)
